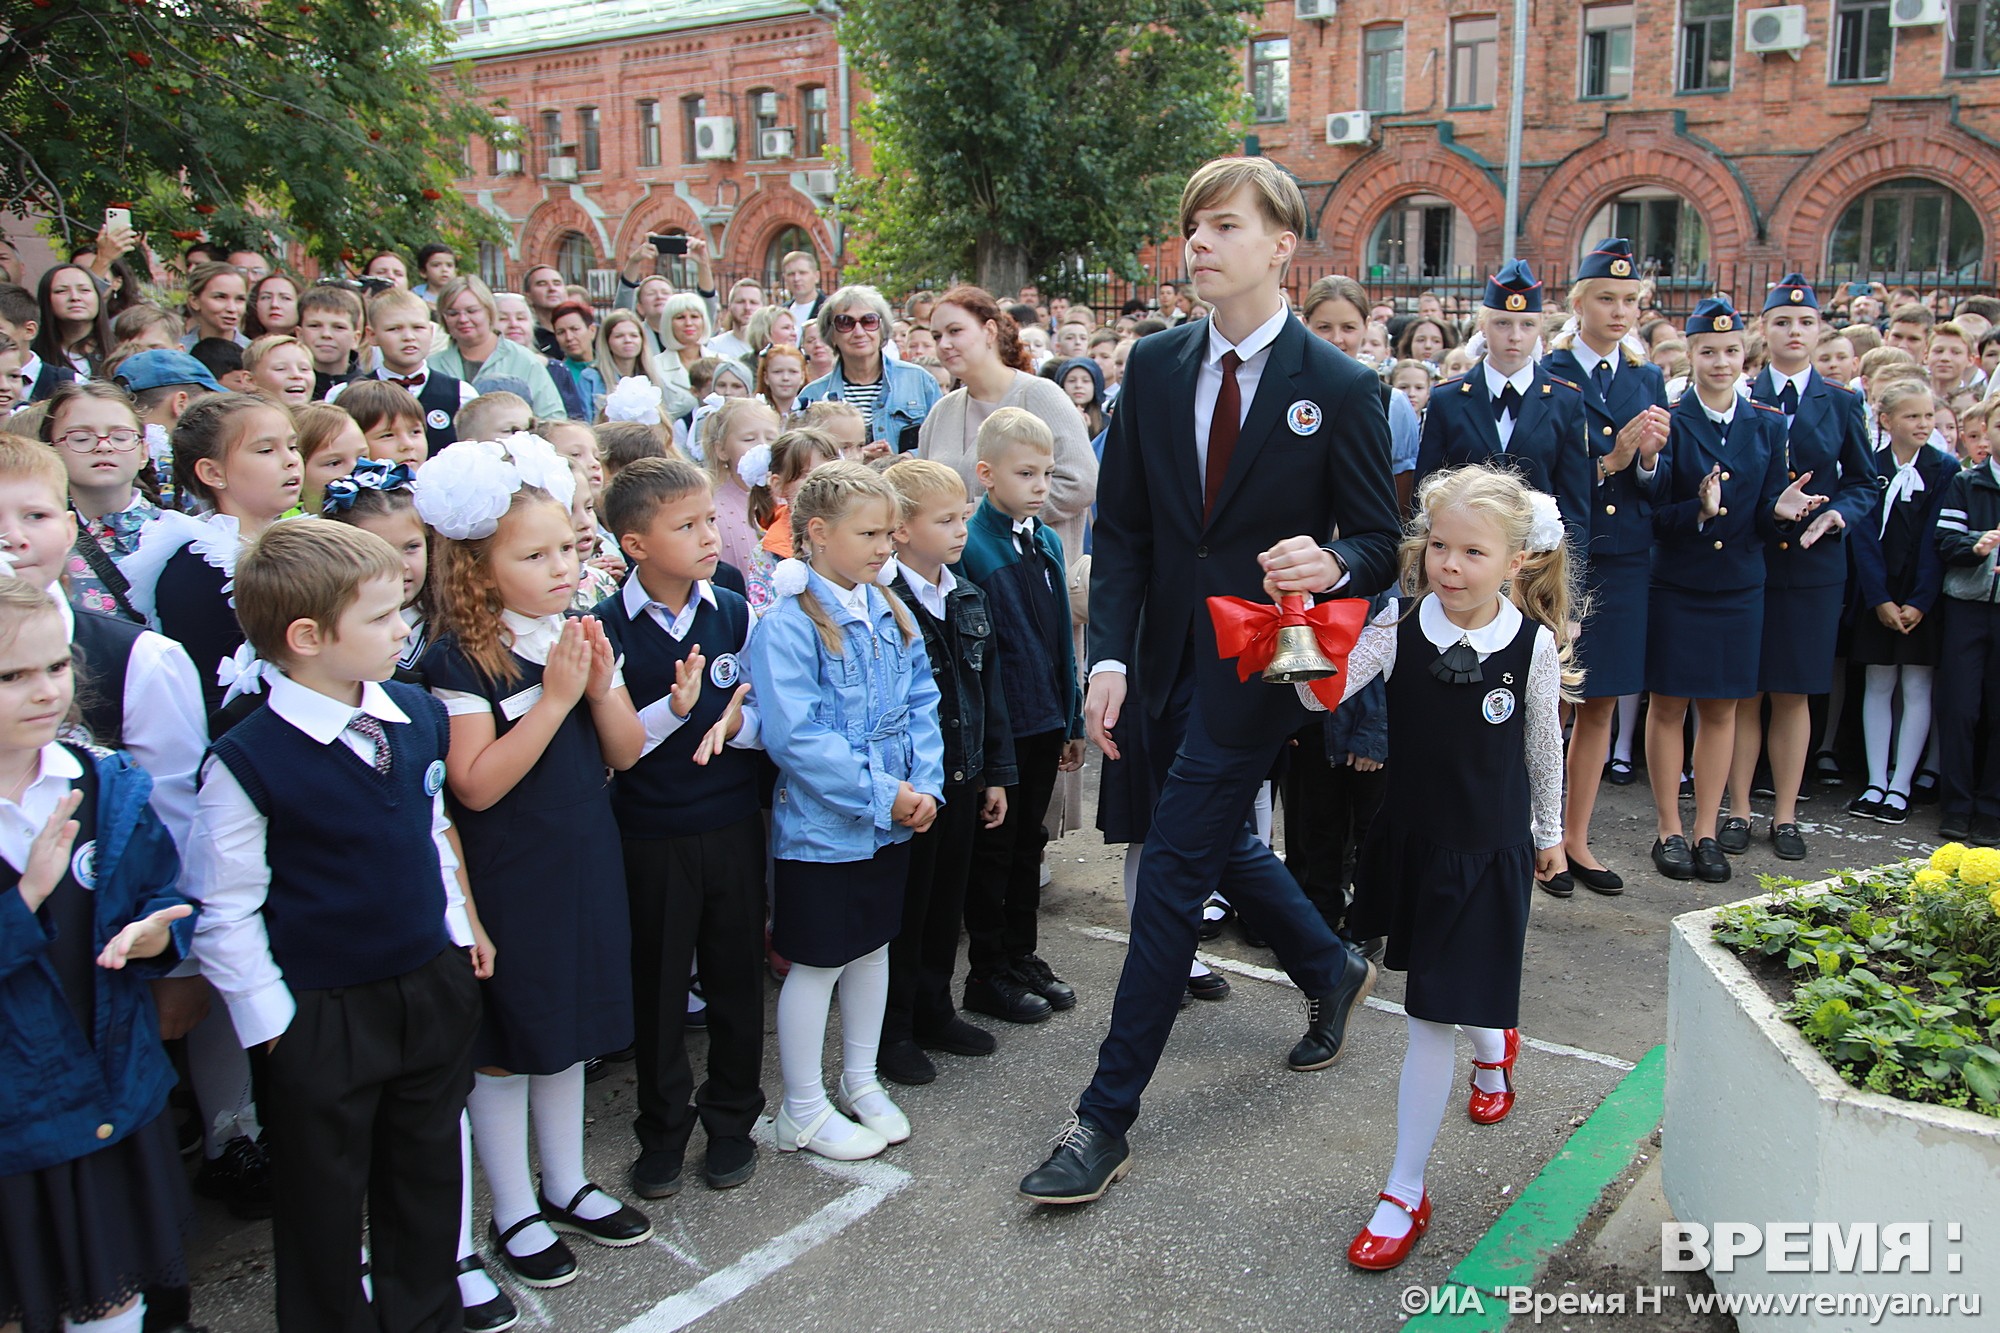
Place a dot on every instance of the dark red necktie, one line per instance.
(410, 383)
(1222, 429)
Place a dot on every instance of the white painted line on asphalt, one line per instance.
(1279, 978)
(874, 1182)
(531, 1304)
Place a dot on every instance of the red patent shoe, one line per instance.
(1490, 1108)
(1379, 1253)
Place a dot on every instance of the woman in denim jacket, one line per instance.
(893, 396)
(852, 724)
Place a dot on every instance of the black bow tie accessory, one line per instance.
(1508, 403)
(1458, 664)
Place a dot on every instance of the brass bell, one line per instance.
(1298, 658)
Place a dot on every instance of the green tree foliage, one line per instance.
(320, 121)
(1009, 137)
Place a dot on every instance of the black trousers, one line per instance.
(923, 954)
(1967, 703)
(1005, 891)
(698, 900)
(362, 1097)
(1328, 810)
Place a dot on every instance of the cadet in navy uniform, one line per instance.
(1625, 420)
(1726, 495)
(1509, 408)
(1806, 575)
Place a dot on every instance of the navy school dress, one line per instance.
(1618, 568)
(548, 878)
(1896, 559)
(1805, 586)
(1705, 615)
(1548, 448)
(1448, 867)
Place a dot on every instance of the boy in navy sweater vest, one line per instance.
(336, 930)
(693, 830)
(1017, 561)
(978, 768)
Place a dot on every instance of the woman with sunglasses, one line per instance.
(892, 396)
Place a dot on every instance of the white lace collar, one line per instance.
(217, 538)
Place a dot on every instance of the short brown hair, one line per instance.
(372, 402)
(633, 496)
(305, 571)
(920, 481)
(1920, 315)
(333, 300)
(1278, 197)
(623, 443)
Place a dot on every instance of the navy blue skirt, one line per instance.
(1801, 629)
(1612, 647)
(1704, 644)
(829, 913)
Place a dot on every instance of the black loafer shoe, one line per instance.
(1672, 858)
(1924, 791)
(1597, 881)
(1687, 787)
(656, 1175)
(731, 1161)
(1955, 828)
(1894, 809)
(1557, 886)
(1710, 862)
(1788, 842)
(594, 1069)
(553, 1267)
(959, 1038)
(1040, 978)
(1326, 1017)
(1734, 835)
(1214, 986)
(1211, 926)
(1087, 1161)
(904, 1062)
(624, 1226)
(1621, 773)
(1826, 769)
(488, 1316)
(240, 1177)
(1003, 996)
(1868, 805)
(1985, 831)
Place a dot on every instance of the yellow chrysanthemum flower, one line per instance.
(1928, 878)
(1980, 865)
(1994, 898)
(1947, 857)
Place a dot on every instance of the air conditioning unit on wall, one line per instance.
(1316, 11)
(715, 138)
(774, 143)
(821, 184)
(1778, 28)
(562, 169)
(1347, 127)
(1917, 13)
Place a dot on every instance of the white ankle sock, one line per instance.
(1421, 1095)
(498, 1107)
(1490, 1046)
(219, 1068)
(474, 1288)
(125, 1321)
(557, 1103)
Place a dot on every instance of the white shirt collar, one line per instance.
(1260, 338)
(1587, 357)
(1522, 380)
(855, 599)
(676, 623)
(56, 763)
(1489, 638)
(1024, 525)
(421, 374)
(1721, 419)
(930, 595)
(322, 717)
(533, 635)
(1798, 381)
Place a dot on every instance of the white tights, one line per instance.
(129, 1320)
(803, 1004)
(1628, 727)
(1421, 1097)
(498, 1109)
(1878, 721)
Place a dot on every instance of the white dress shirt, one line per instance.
(466, 393)
(930, 595)
(533, 638)
(855, 599)
(1522, 380)
(1587, 357)
(659, 717)
(1720, 420)
(20, 824)
(229, 869)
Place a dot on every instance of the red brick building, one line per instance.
(1858, 138)
(723, 117)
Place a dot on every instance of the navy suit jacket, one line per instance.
(1828, 438)
(1312, 459)
(1548, 447)
(1727, 552)
(1621, 513)
(1920, 584)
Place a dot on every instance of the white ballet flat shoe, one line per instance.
(894, 1127)
(857, 1145)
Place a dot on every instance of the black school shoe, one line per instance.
(1087, 1160)
(958, 1037)
(1866, 806)
(1004, 996)
(1621, 773)
(1606, 882)
(1955, 828)
(1326, 1017)
(1734, 835)
(1672, 858)
(489, 1316)
(1894, 809)
(552, 1267)
(1985, 831)
(1213, 986)
(904, 1062)
(656, 1175)
(240, 1177)
(1040, 978)
(731, 1161)
(1788, 842)
(1825, 769)
(1710, 862)
(1561, 885)
(624, 1226)
(1924, 791)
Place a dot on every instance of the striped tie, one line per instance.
(369, 728)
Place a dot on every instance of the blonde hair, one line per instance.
(305, 571)
(1278, 197)
(468, 603)
(22, 459)
(715, 428)
(681, 303)
(1900, 391)
(319, 425)
(470, 421)
(830, 494)
(816, 415)
(921, 481)
(254, 354)
(642, 364)
(1546, 588)
(793, 454)
(1011, 426)
(1578, 292)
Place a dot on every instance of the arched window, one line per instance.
(1908, 226)
(574, 257)
(1666, 231)
(1421, 237)
(786, 241)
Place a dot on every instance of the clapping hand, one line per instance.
(1828, 521)
(603, 661)
(1710, 493)
(567, 673)
(1987, 541)
(687, 682)
(1797, 501)
(48, 854)
(725, 727)
(145, 938)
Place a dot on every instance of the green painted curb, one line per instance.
(1553, 1206)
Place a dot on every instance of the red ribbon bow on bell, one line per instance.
(1248, 632)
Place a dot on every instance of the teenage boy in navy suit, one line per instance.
(1241, 446)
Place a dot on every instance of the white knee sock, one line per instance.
(1260, 814)
(474, 1288)
(864, 999)
(1878, 720)
(803, 1002)
(1916, 732)
(1490, 1046)
(557, 1103)
(125, 1321)
(1133, 851)
(498, 1107)
(1628, 727)
(1420, 1101)
(219, 1068)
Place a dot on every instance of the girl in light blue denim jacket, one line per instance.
(852, 724)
